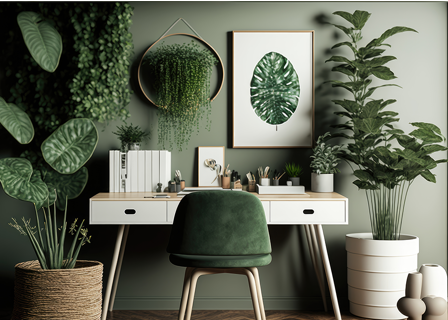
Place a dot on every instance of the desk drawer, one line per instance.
(308, 212)
(128, 212)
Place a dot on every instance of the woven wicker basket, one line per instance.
(58, 294)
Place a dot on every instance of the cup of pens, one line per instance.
(264, 176)
(276, 179)
(251, 178)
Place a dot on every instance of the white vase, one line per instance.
(434, 281)
(376, 273)
(322, 182)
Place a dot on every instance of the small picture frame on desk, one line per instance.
(210, 162)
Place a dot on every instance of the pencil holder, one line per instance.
(265, 181)
(251, 186)
(275, 182)
(225, 182)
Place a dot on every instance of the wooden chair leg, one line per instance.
(185, 293)
(260, 296)
(253, 292)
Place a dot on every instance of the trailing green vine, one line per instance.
(92, 78)
(180, 76)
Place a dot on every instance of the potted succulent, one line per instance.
(131, 137)
(65, 152)
(180, 76)
(294, 171)
(378, 262)
(324, 164)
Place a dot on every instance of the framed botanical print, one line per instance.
(210, 164)
(273, 89)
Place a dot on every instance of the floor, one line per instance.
(224, 315)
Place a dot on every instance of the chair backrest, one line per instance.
(220, 223)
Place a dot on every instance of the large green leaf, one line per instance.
(16, 122)
(358, 19)
(21, 182)
(67, 185)
(275, 89)
(69, 147)
(43, 41)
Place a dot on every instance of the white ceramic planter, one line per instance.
(376, 273)
(322, 182)
(434, 281)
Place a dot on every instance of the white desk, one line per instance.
(311, 210)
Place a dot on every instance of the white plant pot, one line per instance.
(376, 273)
(322, 182)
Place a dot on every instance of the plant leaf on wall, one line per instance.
(68, 148)
(43, 41)
(21, 182)
(16, 122)
(275, 89)
(67, 185)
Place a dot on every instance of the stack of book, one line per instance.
(139, 170)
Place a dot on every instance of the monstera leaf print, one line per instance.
(274, 89)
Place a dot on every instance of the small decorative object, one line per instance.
(411, 305)
(172, 185)
(324, 164)
(434, 281)
(225, 174)
(289, 183)
(237, 184)
(436, 308)
(276, 179)
(180, 77)
(269, 64)
(131, 137)
(210, 165)
(264, 176)
(294, 171)
(251, 180)
(159, 187)
(182, 184)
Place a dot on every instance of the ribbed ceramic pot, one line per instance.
(376, 273)
(322, 182)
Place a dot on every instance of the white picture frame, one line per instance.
(206, 176)
(249, 48)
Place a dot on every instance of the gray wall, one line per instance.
(148, 280)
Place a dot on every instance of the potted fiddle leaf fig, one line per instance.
(324, 164)
(385, 162)
(65, 152)
(180, 76)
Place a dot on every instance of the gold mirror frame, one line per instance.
(182, 34)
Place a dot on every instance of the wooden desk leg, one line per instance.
(317, 263)
(110, 280)
(120, 261)
(327, 266)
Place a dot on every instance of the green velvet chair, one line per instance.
(220, 232)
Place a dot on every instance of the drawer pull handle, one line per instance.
(130, 211)
(308, 211)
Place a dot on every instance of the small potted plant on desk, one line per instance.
(131, 137)
(324, 165)
(294, 171)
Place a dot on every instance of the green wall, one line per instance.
(148, 280)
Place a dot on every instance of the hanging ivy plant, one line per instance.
(180, 76)
(92, 78)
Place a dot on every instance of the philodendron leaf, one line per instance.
(358, 19)
(275, 89)
(21, 182)
(67, 185)
(43, 41)
(16, 122)
(69, 147)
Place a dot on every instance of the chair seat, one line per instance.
(199, 261)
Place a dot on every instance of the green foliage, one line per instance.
(325, 157)
(385, 172)
(293, 170)
(16, 122)
(48, 248)
(180, 76)
(129, 134)
(274, 89)
(92, 77)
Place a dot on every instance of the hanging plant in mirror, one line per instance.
(180, 77)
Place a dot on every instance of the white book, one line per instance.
(141, 170)
(125, 179)
(117, 171)
(112, 171)
(165, 168)
(133, 170)
(148, 168)
(155, 168)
